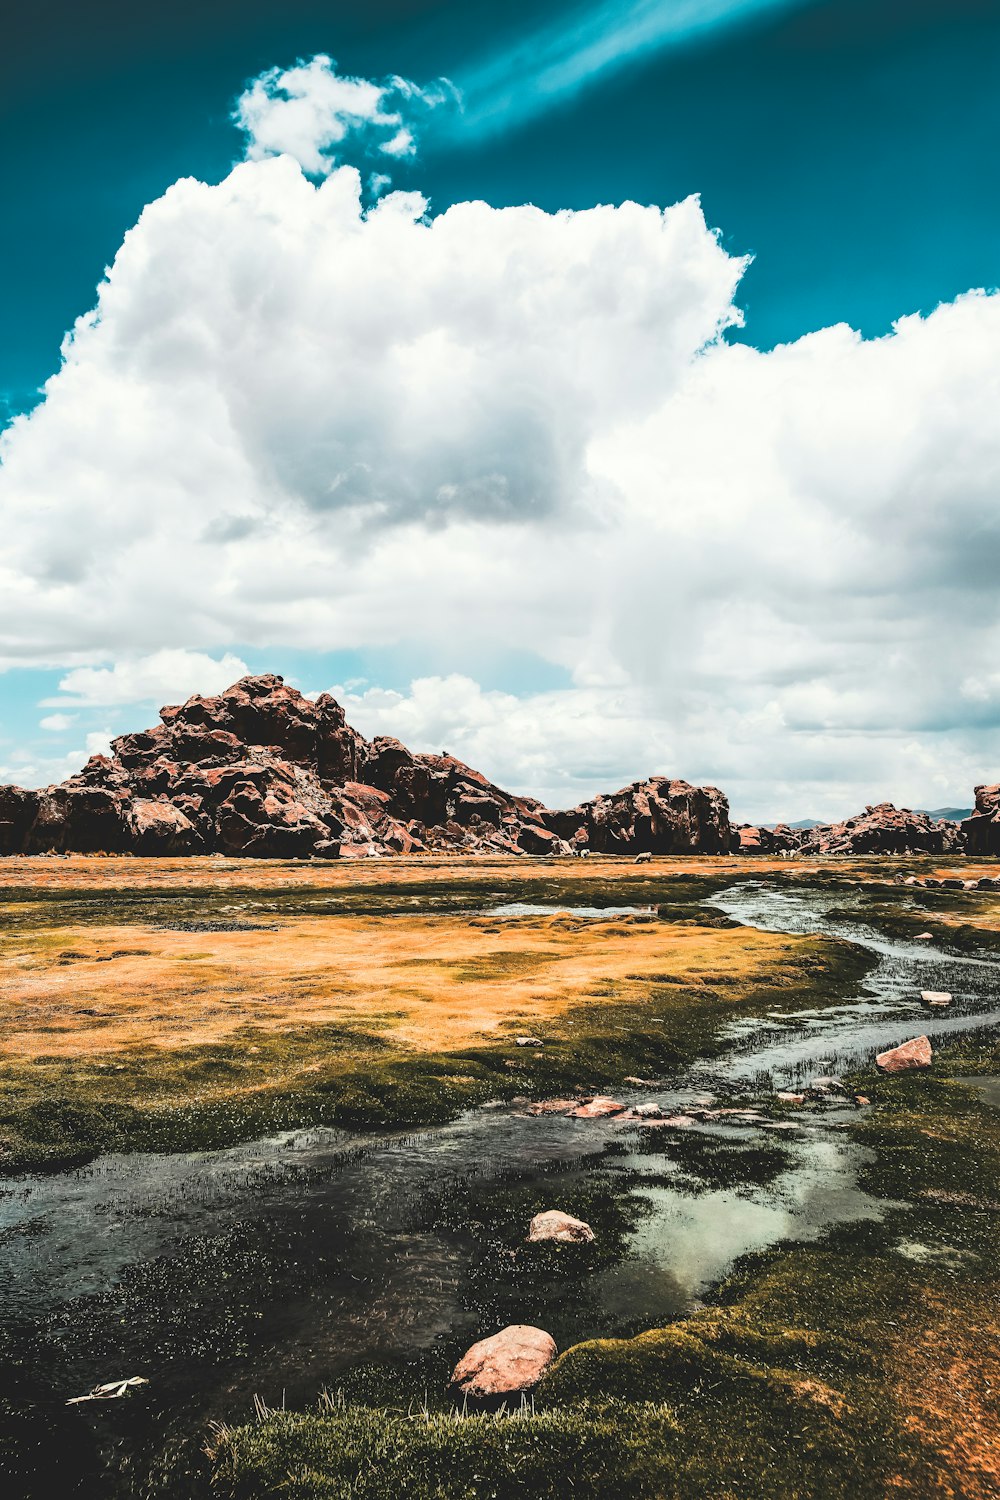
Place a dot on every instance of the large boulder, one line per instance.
(908, 1056)
(510, 1363)
(560, 1228)
(162, 828)
(659, 816)
(982, 830)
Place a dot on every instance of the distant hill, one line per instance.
(804, 823)
(954, 814)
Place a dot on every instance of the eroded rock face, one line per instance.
(884, 829)
(982, 830)
(508, 1364)
(659, 816)
(262, 771)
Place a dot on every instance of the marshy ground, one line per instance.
(255, 1095)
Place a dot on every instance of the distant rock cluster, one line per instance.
(260, 770)
(880, 829)
(885, 829)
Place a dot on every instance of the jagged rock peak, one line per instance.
(261, 770)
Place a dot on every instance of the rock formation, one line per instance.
(880, 829)
(260, 770)
(982, 830)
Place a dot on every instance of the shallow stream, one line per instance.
(274, 1268)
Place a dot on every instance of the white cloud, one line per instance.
(290, 423)
(313, 113)
(167, 676)
(57, 723)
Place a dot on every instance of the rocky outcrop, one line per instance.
(982, 830)
(884, 829)
(656, 816)
(262, 771)
(777, 840)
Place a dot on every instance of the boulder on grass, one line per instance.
(563, 1228)
(936, 999)
(915, 1053)
(508, 1364)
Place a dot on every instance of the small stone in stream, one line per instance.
(648, 1111)
(915, 1053)
(788, 1098)
(676, 1122)
(924, 937)
(936, 998)
(552, 1107)
(563, 1228)
(598, 1108)
(492, 1104)
(510, 1362)
(780, 1125)
(827, 1085)
(861, 1100)
(641, 1083)
(643, 858)
(529, 1041)
(704, 1101)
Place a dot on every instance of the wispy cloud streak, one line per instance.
(552, 64)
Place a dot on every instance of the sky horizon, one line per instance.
(596, 390)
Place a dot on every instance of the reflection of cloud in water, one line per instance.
(697, 1237)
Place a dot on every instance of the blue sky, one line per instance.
(849, 148)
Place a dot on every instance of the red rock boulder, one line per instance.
(510, 1363)
(909, 1055)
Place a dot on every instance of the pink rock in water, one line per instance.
(598, 1109)
(554, 1225)
(552, 1107)
(912, 1054)
(510, 1362)
(938, 999)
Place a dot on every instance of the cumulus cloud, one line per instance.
(167, 676)
(56, 723)
(313, 113)
(293, 422)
